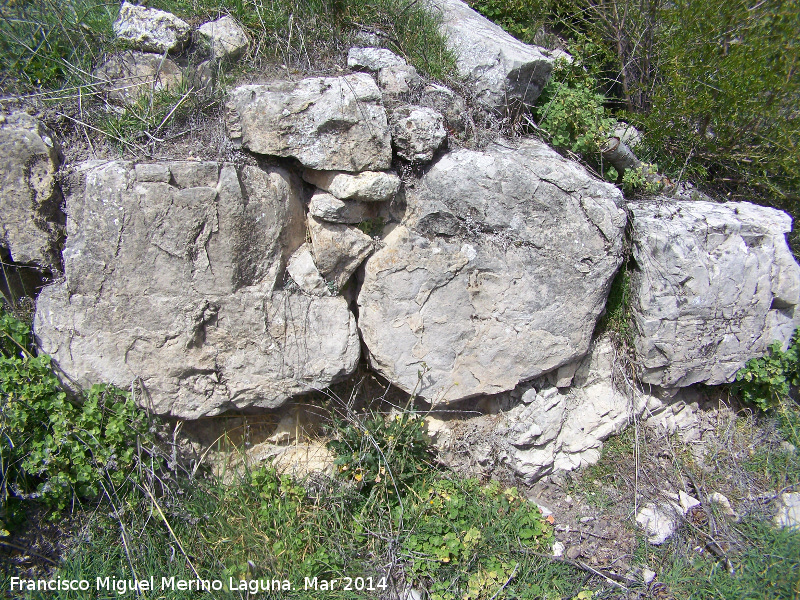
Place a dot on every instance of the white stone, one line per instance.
(715, 285)
(174, 285)
(328, 123)
(788, 511)
(150, 29)
(394, 81)
(479, 283)
(658, 521)
(648, 576)
(31, 221)
(369, 186)
(558, 549)
(127, 75)
(417, 132)
(502, 70)
(338, 249)
(373, 59)
(225, 38)
(305, 274)
(328, 207)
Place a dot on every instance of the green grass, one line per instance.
(767, 566)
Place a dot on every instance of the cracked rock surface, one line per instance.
(173, 278)
(497, 275)
(715, 285)
(31, 221)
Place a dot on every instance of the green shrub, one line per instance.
(51, 447)
(767, 381)
(380, 452)
(571, 110)
(468, 540)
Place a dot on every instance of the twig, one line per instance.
(27, 551)
(510, 577)
(611, 578)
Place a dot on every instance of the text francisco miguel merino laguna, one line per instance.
(252, 586)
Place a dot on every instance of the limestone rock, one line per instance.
(447, 102)
(369, 186)
(564, 429)
(373, 59)
(715, 285)
(338, 249)
(225, 38)
(31, 221)
(477, 289)
(398, 80)
(502, 70)
(326, 207)
(328, 123)
(788, 511)
(659, 521)
(417, 133)
(304, 272)
(128, 75)
(172, 280)
(150, 29)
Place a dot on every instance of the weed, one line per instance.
(617, 317)
(372, 227)
(766, 381)
(642, 179)
(53, 448)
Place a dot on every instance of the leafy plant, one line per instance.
(52, 447)
(571, 110)
(372, 227)
(456, 559)
(766, 381)
(382, 452)
(642, 179)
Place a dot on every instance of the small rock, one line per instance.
(628, 134)
(723, 503)
(397, 80)
(587, 519)
(447, 102)
(648, 576)
(329, 208)
(369, 186)
(150, 29)
(788, 447)
(373, 59)
(225, 38)
(417, 132)
(338, 249)
(686, 501)
(568, 499)
(305, 274)
(558, 549)
(128, 75)
(573, 552)
(658, 521)
(789, 510)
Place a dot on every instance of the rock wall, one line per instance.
(216, 285)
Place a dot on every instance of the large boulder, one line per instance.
(327, 123)
(174, 276)
(31, 221)
(497, 275)
(503, 71)
(150, 29)
(715, 285)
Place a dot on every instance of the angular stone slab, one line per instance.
(367, 186)
(173, 278)
(498, 274)
(224, 37)
(338, 249)
(327, 123)
(31, 221)
(715, 285)
(502, 70)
